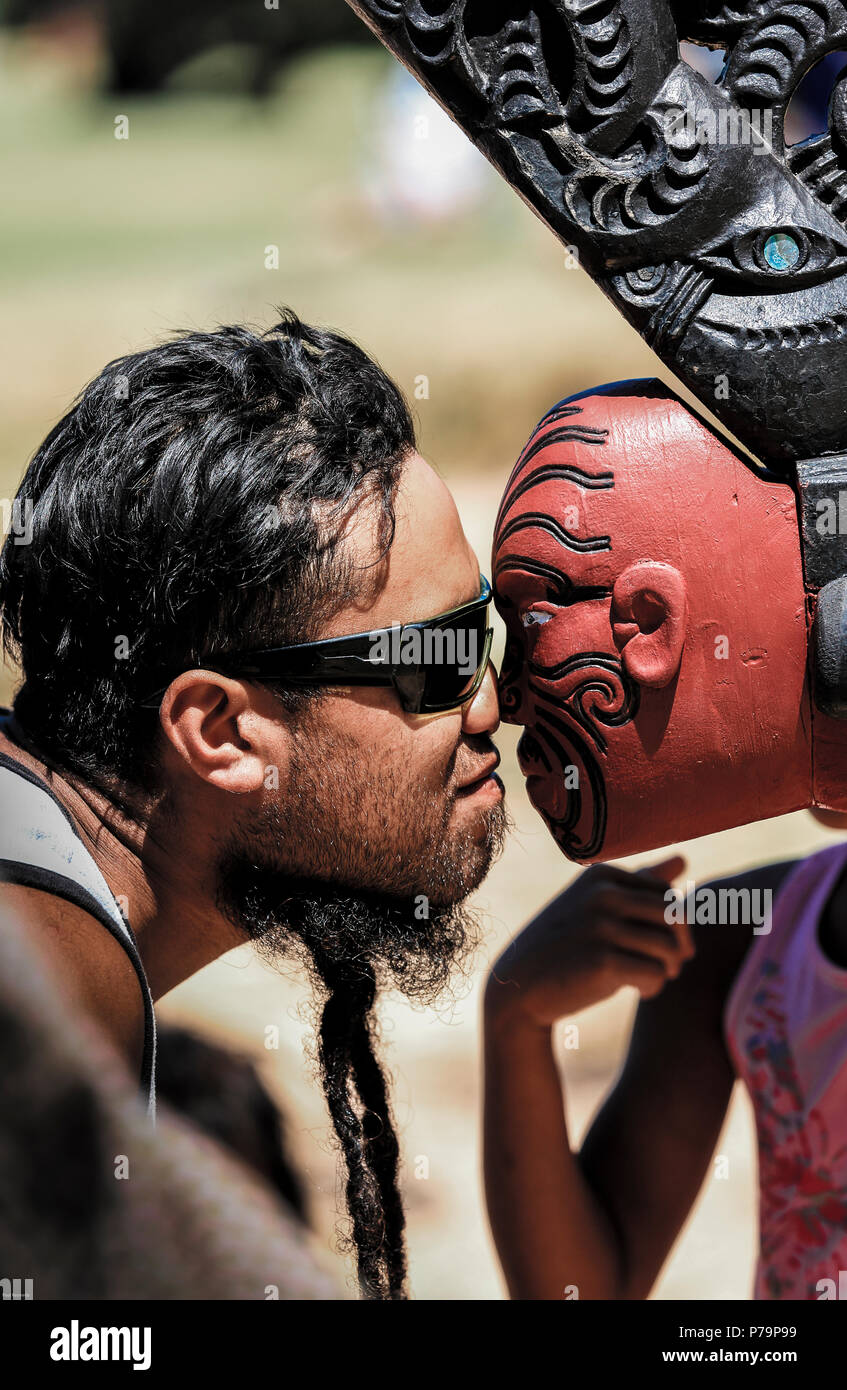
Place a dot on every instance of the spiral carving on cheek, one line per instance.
(570, 727)
(581, 829)
(607, 696)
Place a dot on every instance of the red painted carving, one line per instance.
(652, 587)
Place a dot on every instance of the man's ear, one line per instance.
(210, 721)
(649, 609)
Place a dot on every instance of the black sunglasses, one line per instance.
(434, 666)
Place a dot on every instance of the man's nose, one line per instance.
(481, 715)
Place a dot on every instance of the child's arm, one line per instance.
(602, 1221)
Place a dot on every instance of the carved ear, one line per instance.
(649, 608)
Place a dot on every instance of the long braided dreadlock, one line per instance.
(355, 1089)
(349, 942)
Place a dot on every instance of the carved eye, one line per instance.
(534, 617)
(774, 256)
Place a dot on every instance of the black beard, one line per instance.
(382, 891)
(406, 942)
(358, 933)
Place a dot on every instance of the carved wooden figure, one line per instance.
(658, 630)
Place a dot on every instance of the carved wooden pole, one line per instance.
(725, 248)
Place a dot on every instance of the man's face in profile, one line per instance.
(384, 822)
(631, 553)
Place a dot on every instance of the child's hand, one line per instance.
(606, 930)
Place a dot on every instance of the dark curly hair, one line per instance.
(185, 505)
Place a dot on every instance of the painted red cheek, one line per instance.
(579, 628)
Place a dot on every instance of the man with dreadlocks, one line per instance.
(213, 740)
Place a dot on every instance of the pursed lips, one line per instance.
(488, 768)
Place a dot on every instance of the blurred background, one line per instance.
(182, 165)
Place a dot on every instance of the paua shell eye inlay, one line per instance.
(781, 251)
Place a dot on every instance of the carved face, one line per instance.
(663, 695)
(725, 249)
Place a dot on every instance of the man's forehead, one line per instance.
(430, 566)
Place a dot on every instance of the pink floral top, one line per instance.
(786, 1029)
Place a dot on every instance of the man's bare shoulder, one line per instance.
(50, 910)
(87, 961)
